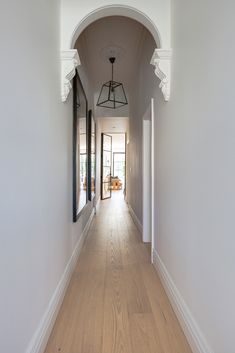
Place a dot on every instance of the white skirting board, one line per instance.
(97, 206)
(135, 219)
(191, 330)
(41, 336)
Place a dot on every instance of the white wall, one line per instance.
(195, 167)
(194, 163)
(140, 98)
(36, 230)
(134, 169)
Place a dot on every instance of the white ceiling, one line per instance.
(114, 125)
(111, 31)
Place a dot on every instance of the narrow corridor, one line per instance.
(115, 302)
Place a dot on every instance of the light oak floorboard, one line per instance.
(116, 330)
(144, 334)
(115, 302)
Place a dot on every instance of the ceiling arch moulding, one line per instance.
(161, 59)
(116, 10)
(69, 61)
(154, 15)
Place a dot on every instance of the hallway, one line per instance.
(115, 302)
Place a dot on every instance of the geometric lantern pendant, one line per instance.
(112, 94)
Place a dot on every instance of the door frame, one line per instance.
(146, 175)
(101, 172)
(153, 202)
(148, 170)
(125, 152)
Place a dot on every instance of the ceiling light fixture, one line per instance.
(112, 94)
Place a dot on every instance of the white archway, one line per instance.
(70, 58)
(116, 10)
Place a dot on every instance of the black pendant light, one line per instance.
(112, 94)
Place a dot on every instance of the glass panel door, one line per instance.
(119, 166)
(106, 165)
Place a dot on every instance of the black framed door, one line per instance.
(106, 166)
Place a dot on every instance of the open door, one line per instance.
(106, 165)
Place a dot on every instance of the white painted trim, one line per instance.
(41, 336)
(135, 219)
(116, 10)
(146, 174)
(191, 330)
(161, 59)
(153, 220)
(97, 205)
(69, 61)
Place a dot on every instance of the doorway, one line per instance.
(106, 166)
(113, 165)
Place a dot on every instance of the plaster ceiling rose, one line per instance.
(112, 51)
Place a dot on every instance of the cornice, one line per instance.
(161, 59)
(69, 61)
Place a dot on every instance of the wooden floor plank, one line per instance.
(144, 334)
(136, 294)
(115, 302)
(170, 332)
(116, 335)
(113, 251)
(88, 333)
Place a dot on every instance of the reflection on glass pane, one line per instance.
(119, 157)
(107, 142)
(106, 190)
(93, 173)
(119, 166)
(79, 148)
(81, 181)
(92, 135)
(107, 158)
(106, 174)
(81, 154)
(92, 156)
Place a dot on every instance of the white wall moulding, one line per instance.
(136, 220)
(191, 330)
(42, 334)
(69, 61)
(161, 59)
(155, 15)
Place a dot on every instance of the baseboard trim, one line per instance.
(42, 334)
(191, 330)
(97, 205)
(135, 219)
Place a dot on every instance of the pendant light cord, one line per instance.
(112, 60)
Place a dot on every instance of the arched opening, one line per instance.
(116, 10)
(133, 44)
(72, 29)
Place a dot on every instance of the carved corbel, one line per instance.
(161, 59)
(69, 61)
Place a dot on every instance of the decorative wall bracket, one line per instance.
(69, 61)
(161, 59)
